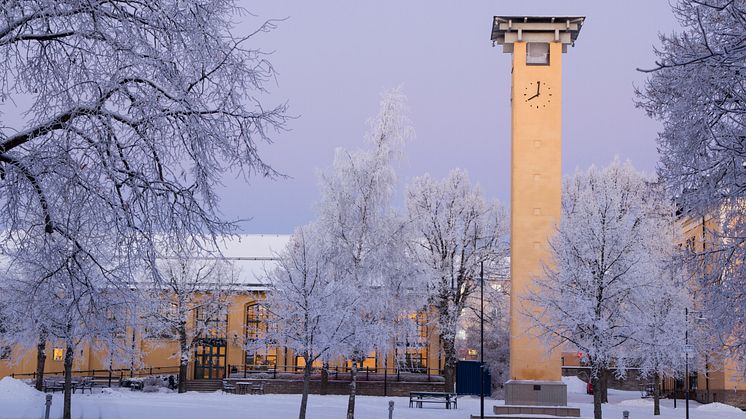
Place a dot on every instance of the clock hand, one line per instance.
(534, 96)
(538, 86)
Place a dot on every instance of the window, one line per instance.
(212, 321)
(256, 330)
(4, 352)
(58, 354)
(368, 363)
(537, 53)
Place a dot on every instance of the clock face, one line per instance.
(537, 94)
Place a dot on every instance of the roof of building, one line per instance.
(253, 255)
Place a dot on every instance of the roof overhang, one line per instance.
(506, 30)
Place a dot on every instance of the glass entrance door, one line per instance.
(209, 359)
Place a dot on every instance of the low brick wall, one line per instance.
(630, 382)
(733, 398)
(365, 388)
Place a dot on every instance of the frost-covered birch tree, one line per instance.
(696, 90)
(604, 256)
(657, 343)
(364, 238)
(307, 307)
(140, 107)
(51, 286)
(192, 292)
(454, 231)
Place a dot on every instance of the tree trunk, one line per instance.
(604, 385)
(656, 395)
(596, 381)
(306, 387)
(449, 366)
(41, 358)
(183, 358)
(353, 390)
(324, 378)
(69, 353)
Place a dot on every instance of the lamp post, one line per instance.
(686, 363)
(481, 341)
(687, 349)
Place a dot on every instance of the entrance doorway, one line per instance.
(209, 359)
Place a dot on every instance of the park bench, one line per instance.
(83, 386)
(229, 387)
(257, 387)
(53, 385)
(417, 398)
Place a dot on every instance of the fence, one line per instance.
(337, 372)
(109, 374)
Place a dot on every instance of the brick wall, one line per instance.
(366, 388)
(630, 382)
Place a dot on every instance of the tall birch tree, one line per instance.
(454, 231)
(696, 90)
(605, 255)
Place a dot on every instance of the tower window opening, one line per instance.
(537, 53)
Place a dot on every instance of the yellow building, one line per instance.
(221, 352)
(718, 380)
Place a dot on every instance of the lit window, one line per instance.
(472, 352)
(537, 53)
(57, 354)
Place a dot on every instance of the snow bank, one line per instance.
(13, 389)
(719, 407)
(575, 385)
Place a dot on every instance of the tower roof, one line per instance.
(509, 29)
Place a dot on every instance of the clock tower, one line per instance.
(536, 45)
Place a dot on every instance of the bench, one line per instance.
(53, 385)
(417, 398)
(257, 387)
(229, 387)
(83, 386)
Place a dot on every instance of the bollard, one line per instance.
(391, 409)
(48, 404)
(625, 414)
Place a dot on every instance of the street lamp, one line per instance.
(688, 349)
(481, 340)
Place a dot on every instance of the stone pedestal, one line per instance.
(535, 393)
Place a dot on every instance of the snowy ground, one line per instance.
(18, 400)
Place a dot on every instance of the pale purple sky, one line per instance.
(335, 57)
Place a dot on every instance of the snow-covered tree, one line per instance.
(605, 254)
(696, 90)
(496, 328)
(657, 344)
(364, 238)
(189, 300)
(137, 108)
(51, 286)
(455, 230)
(307, 308)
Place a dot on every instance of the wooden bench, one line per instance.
(257, 387)
(417, 398)
(53, 385)
(229, 387)
(83, 386)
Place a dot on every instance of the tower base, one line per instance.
(535, 393)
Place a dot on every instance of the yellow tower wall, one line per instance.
(535, 204)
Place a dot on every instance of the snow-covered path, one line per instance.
(18, 401)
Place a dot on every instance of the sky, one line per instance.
(334, 58)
